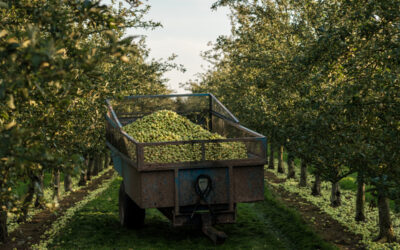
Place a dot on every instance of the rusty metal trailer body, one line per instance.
(171, 187)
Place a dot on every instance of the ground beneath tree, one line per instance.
(30, 232)
(329, 229)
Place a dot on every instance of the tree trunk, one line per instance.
(316, 189)
(89, 171)
(271, 163)
(291, 171)
(3, 213)
(335, 195)
(56, 186)
(96, 164)
(280, 161)
(67, 182)
(360, 199)
(386, 233)
(303, 174)
(82, 178)
(101, 162)
(106, 160)
(39, 187)
(3, 225)
(27, 201)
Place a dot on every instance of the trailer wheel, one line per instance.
(130, 214)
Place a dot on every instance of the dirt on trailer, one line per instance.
(29, 233)
(323, 224)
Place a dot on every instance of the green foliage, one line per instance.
(319, 77)
(59, 60)
(166, 125)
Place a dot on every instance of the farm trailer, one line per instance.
(202, 192)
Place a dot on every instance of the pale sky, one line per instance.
(188, 25)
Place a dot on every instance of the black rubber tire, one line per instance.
(130, 214)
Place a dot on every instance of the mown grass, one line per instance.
(262, 225)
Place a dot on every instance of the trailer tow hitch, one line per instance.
(218, 237)
(203, 186)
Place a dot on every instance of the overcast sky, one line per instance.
(188, 25)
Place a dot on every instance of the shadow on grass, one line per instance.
(262, 225)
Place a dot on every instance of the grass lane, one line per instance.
(261, 225)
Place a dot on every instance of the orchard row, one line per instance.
(59, 61)
(321, 80)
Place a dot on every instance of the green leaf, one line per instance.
(3, 32)
(10, 125)
(3, 5)
(10, 101)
